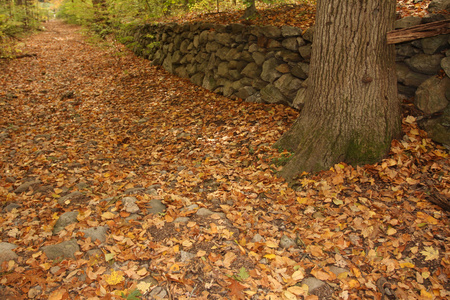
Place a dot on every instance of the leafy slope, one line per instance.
(81, 118)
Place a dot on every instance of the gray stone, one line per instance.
(434, 44)
(74, 196)
(181, 220)
(167, 64)
(270, 94)
(252, 70)
(288, 85)
(156, 207)
(273, 44)
(259, 58)
(24, 187)
(300, 98)
(337, 271)
(204, 212)
(286, 242)
(197, 79)
(407, 22)
(65, 249)
(425, 63)
(436, 6)
(6, 253)
(432, 95)
(309, 34)
(289, 31)
(318, 287)
(271, 31)
(406, 50)
(223, 38)
(305, 51)
(300, 70)
(290, 44)
(96, 233)
(445, 64)
(64, 220)
(11, 206)
(257, 238)
(438, 129)
(245, 92)
(255, 98)
(408, 77)
(186, 256)
(269, 72)
(209, 82)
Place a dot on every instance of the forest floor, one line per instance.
(83, 127)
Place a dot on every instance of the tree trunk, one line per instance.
(352, 111)
(250, 12)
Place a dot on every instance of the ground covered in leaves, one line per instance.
(104, 125)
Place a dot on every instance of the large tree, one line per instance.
(351, 112)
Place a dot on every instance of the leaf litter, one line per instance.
(108, 125)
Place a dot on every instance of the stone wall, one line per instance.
(271, 65)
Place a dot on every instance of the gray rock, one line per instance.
(287, 242)
(167, 64)
(438, 129)
(309, 34)
(129, 204)
(158, 293)
(74, 196)
(337, 271)
(406, 50)
(255, 98)
(259, 58)
(196, 79)
(186, 256)
(65, 219)
(257, 238)
(269, 72)
(271, 31)
(6, 253)
(96, 233)
(181, 220)
(305, 51)
(433, 95)
(300, 70)
(445, 64)
(209, 82)
(425, 63)
(407, 22)
(434, 44)
(318, 287)
(406, 76)
(204, 212)
(288, 85)
(270, 94)
(252, 70)
(65, 249)
(300, 98)
(156, 207)
(11, 206)
(24, 187)
(436, 6)
(289, 31)
(245, 92)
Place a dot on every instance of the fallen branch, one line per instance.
(418, 32)
(26, 55)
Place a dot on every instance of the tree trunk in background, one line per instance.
(352, 111)
(251, 11)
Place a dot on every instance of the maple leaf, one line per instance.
(430, 253)
(236, 289)
(114, 278)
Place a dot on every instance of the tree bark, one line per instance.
(352, 112)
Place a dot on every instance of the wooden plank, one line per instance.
(418, 32)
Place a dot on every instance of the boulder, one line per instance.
(433, 95)
(288, 85)
(425, 63)
(406, 76)
(407, 22)
(290, 31)
(65, 249)
(445, 65)
(438, 129)
(269, 72)
(432, 45)
(64, 220)
(437, 6)
(270, 94)
(252, 70)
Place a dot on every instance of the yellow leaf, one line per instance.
(114, 278)
(271, 244)
(426, 295)
(302, 200)
(109, 256)
(410, 120)
(289, 296)
(297, 290)
(270, 256)
(201, 253)
(407, 265)
(108, 215)
(430, 253)
(391, 231)
(144, 286)
(298, 275)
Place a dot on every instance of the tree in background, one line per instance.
(352, 112)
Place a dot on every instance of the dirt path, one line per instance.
(117, 178)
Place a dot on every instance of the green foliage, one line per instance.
(133, 295)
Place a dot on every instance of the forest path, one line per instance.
(178, 186)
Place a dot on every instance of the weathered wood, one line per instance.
(418, 32)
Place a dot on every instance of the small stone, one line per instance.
(65, 249)
(26, 186)
(11, 206)
(186, 256)
(64, 220)
(6, 253)
(181, 220)
(96, 233)
(337, 271)
(204, 212)
(156, 207)
(287, 242)
(130, 205)
(317, 287)
(257, 238)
